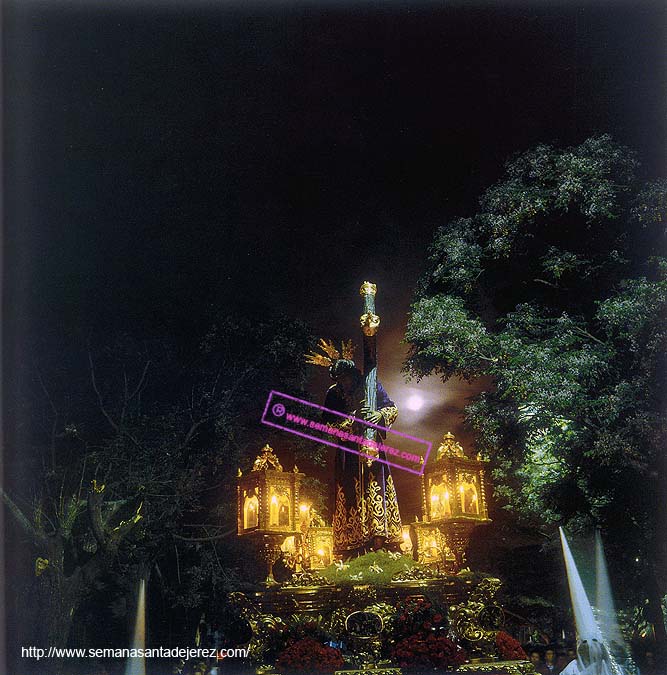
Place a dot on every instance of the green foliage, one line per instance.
(448, 338)
(164, 426)
(316, 493)
(553, 291)
(376, 568)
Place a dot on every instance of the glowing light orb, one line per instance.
(415, 402)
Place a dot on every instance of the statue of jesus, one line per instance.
(366, 515)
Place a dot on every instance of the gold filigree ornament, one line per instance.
(449, 447)
(375, 508)
(264, 629)
(364, 629)
(498, 667)
(267, 459)
(412, 574)
(389, 414)
(349, 520)
(394, 526)
(369, 323)
(478, 620)
(370, 453)
(368, 288)
(331, 353)
(307, 579)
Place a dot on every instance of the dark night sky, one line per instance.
(160, 158)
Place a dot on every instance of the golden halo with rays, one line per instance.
(331, 354)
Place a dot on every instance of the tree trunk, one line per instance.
(61, 597)
(654, 614)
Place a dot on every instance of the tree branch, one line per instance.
(54, 425)
(95, 515)
(37, 538)
(547, 283)
(126, 526)
(215, 537)
(142, 379)
(585, 333)
(107, 416)
(192, 431)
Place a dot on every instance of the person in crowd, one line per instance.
(536, 659)
(563, 658)
(551, 667)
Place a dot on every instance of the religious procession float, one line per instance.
(366, 593)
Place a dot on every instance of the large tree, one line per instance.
(132, 442)
(555, 290)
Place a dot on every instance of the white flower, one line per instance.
(357, 577)
(340, 565)
(396, 555)
(375, 568)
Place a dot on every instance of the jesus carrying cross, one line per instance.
(366, 515)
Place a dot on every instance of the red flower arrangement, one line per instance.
(431, 651)
(417, 615)
(309, 656)
(509, 649)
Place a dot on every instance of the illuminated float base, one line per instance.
(285, 600)
(474, 617)
(286, 534)
(495, 668)
(371, 671)
(498, 668)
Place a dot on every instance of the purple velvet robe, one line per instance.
(365, 515)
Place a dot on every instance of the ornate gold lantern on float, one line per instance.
(317, 539)
(268, 506)
(319, 547)
(453, 501)
(430, 547)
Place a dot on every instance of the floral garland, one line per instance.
(509, 649)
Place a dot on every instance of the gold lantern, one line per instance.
(406, 544)
(317, 540)
(453, 500)
(431, 547)
(268, 506)
(319, 546)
